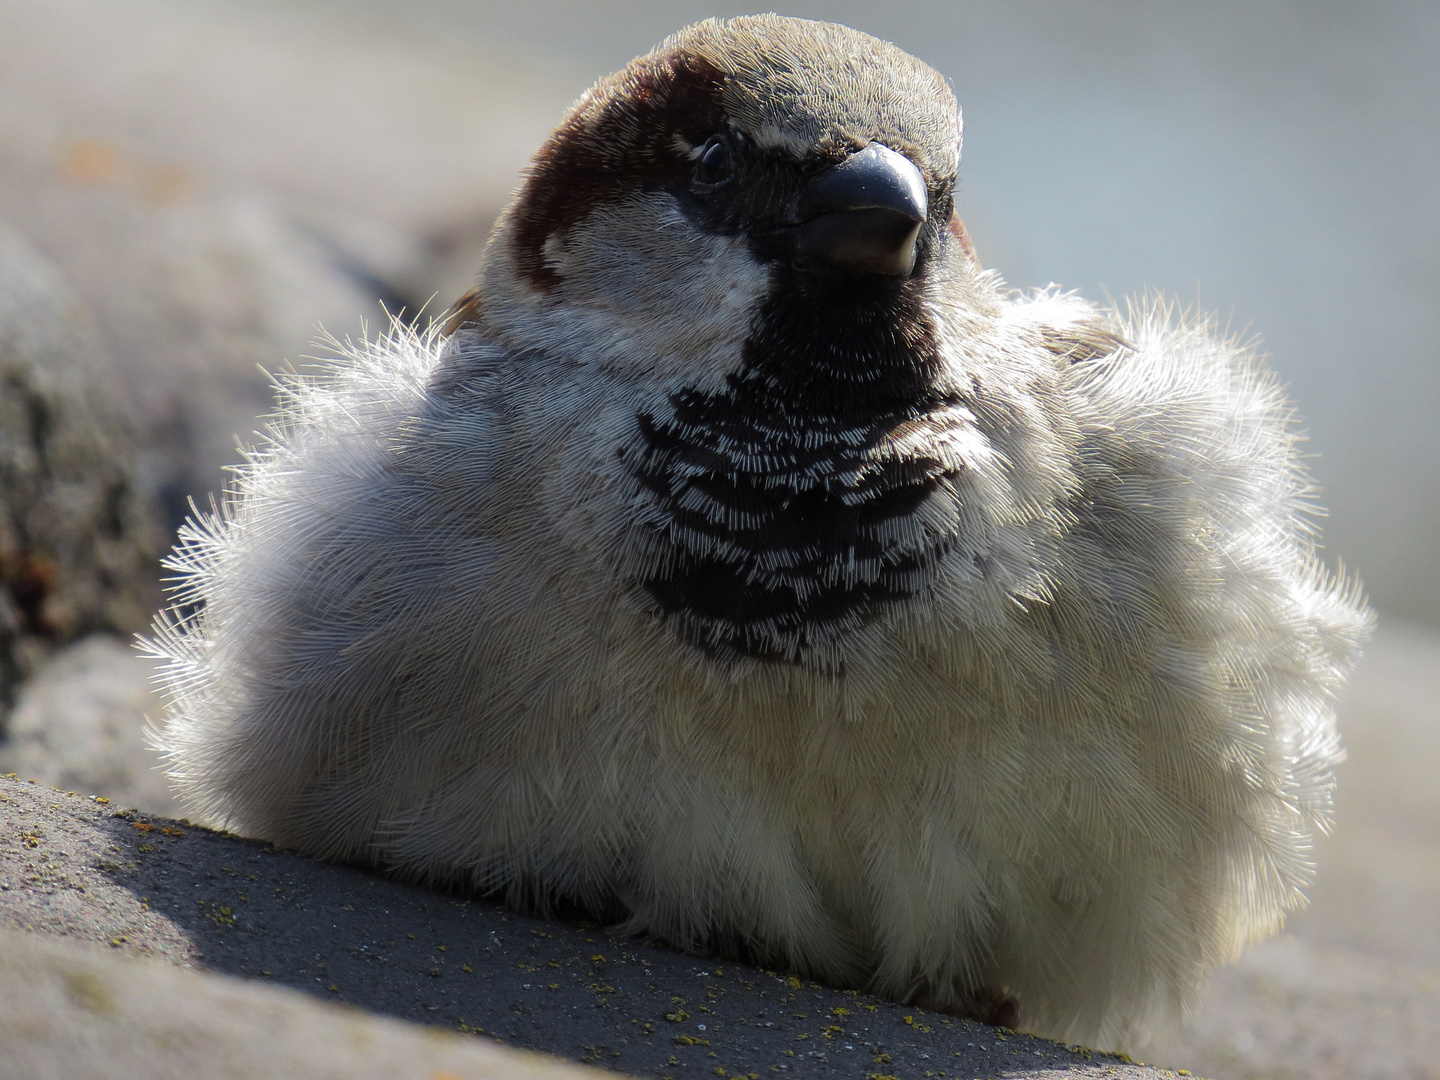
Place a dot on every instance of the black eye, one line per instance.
(713, 166)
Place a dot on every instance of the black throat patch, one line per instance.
(811, 494)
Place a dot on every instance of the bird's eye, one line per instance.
(713, 167)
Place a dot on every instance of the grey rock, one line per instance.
(71, 1012)
(79, 531)
(73, 867)
(79, 724)
(219, 180)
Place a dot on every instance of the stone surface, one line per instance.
(80, 535)
(69, 1012)
(79, 724)
(72, 867)
(219, 180)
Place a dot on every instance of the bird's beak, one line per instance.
(863, 215)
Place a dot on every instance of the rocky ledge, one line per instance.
(81, 877)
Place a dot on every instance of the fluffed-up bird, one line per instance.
(743, 563)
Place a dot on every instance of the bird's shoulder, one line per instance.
(1178, 399)
(1157, 389)
(370, 434)
(1188, 452)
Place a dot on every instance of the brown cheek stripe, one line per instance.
(464, 312)
(958, 230)
(1087, 341)
(620, 138)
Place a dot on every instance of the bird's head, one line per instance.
(739, 160)
(753, 228)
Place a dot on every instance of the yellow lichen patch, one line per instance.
(221, 915)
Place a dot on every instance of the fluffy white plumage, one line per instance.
(1079, 765)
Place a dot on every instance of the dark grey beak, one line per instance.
(863, 215)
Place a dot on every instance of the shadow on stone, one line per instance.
(154, 886)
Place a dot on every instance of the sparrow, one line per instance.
(743, 564)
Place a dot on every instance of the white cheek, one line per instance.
(654, 293)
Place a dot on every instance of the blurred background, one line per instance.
(187, 189)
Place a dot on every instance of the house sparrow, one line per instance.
(743, 562)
